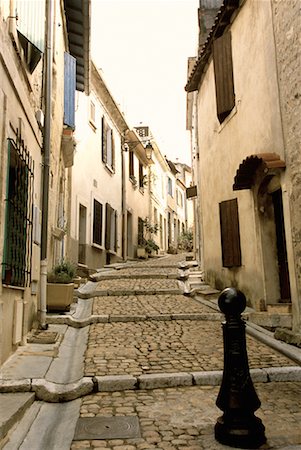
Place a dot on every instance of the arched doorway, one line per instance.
(261, 173)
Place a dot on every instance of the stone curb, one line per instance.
(116, 276)
(81, 323)
(104, 293)
(54, 392)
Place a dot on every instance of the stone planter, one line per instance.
(59, 296)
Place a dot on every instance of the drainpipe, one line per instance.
(123, 202)
(46, 164)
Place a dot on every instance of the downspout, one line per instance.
(123, 203)
(46, 164)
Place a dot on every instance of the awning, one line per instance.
(245, 175)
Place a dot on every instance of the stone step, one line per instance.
(45, 426)
(13, 407)
(271, 320)
(280, 308)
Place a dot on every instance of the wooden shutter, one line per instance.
(97, 223)
(230, 238)
(131, 163)
(223, 72)
(115, 237)
(103, 140)
(69, 90)
(113, 150)
(108, 226)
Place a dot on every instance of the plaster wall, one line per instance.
(254, 126)
(19, 99)
(92, 179)
(137, 199)
(287, 30)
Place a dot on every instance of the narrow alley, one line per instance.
(137, 365)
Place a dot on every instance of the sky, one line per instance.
(142, 47)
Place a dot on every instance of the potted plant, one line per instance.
(60, 286)
(151, 247)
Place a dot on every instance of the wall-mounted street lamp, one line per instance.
(130, 145)
(149, 150)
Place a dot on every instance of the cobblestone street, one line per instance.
(172, 333)
(139, 367)
(184, 418)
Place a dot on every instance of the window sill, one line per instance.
(92, 125)
(109, 169)
(227, 119)
(10, 286)
(97, 246)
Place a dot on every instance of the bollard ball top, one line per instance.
(231, 301)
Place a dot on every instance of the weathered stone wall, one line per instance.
(287, 29)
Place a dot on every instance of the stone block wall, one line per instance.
(287, 32)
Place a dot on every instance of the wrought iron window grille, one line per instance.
(17, 254)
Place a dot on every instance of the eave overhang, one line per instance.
(78, 17)
(100, 87)
(222, 20)
(245, 175)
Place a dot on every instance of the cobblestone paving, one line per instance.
(148, 304)
(174, 346)
(137, 284)
(166, 261)
(184, 418)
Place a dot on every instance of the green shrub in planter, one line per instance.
(63, 273)
(60, 286)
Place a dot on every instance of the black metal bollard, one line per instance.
(237, 398)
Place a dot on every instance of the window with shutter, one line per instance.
(108, 145)
(97, 223)
(230, 237)
(223, 72)
(111, 229)
(103, 140)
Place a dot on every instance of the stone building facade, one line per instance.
(37, 64)
(287, 31)
(245, 108)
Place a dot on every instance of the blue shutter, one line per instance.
(69, 90)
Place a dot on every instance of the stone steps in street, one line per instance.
(118, 352)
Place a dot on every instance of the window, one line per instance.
(223, 72)
(111, 229)
(16, 269)
(169, 186)
(230, 238)
(92, 114)
(107, 145)
(179, 198)
(97, 223)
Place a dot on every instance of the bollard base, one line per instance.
(240, 432)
